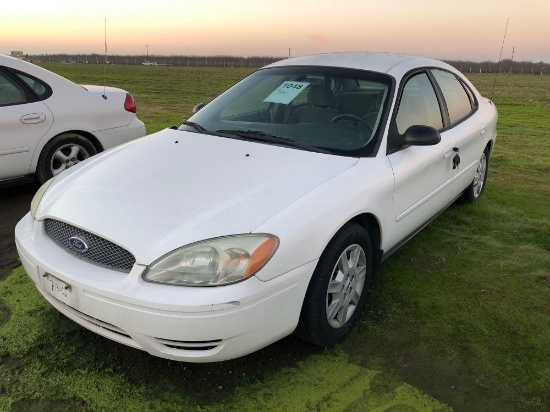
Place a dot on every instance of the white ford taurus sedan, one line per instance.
(265, 213)
(48, 123)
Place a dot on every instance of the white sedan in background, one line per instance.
(48, 123)
(267, 212)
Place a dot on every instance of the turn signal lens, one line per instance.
(261, 255)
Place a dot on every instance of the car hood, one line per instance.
(167, 190)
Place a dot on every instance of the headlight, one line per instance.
(38, 196)
(214, 262)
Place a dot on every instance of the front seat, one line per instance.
(319, 108)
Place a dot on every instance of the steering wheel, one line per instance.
(349, 117)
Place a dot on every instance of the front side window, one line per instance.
(10, 92)
(334, 110)
(418, 105)
(459, 104)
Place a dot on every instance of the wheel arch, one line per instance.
(489, 146)
(371, 224)
(40, 147)
(310, 322)
(93, 140)
(43, 143)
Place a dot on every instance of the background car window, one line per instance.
(418, 105)
(458, 101)
(10, 92)
(40, 89)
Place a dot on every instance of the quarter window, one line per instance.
(40, 89)
(459, 104)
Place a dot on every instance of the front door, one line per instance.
(423, 174)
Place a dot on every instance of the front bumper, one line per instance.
(181, 323)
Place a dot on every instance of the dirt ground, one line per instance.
(15, 202)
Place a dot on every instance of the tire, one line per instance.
(474, 191)
(62, 152)
(334, 299)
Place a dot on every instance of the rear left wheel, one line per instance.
(476, 188)
(63, 152)
(338, 288)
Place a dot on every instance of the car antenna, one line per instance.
(500, 57)
(105, 63)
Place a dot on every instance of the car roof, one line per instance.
(54, 80)
(378, 62)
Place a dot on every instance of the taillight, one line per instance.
(129, 103)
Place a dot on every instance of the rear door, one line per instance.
(468, 125)
(24, 120)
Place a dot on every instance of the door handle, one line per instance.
(482, 128)
(33, 118)
(448, 151)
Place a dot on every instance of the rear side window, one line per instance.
(459, 103)
(10, 92)
(39, 88)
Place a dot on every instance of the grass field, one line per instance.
(458, 319)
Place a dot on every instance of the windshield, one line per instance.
(311, 108)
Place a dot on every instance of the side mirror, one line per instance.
(421, 136)
(198, 107)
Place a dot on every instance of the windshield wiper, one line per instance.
(195, 126)
(258, 135)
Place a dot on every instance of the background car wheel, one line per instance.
(338, 287)
(62, 152)
(476, 188)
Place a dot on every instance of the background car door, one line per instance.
(468, 125)
(423, 174)
(23, 123)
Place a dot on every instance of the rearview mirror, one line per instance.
(421, 136)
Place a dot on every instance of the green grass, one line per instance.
(459, 317)
(165, 96)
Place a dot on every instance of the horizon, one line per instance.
(248, 28)
(152, 57)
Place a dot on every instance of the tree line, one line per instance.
(157, 60)
(466, 66)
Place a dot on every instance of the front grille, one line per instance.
(98, 250)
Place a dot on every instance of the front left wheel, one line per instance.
(338, 288)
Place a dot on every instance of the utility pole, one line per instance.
(147, 47)
(289, 49)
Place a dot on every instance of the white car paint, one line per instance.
(228, 192)
(26, 128)
(210, 186)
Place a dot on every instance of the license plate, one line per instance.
(58, 289)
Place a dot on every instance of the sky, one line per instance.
(443, 29)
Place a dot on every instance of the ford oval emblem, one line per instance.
(78, 244)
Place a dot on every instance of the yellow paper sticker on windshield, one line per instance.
(286, 92)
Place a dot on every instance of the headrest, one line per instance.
(319, 96)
